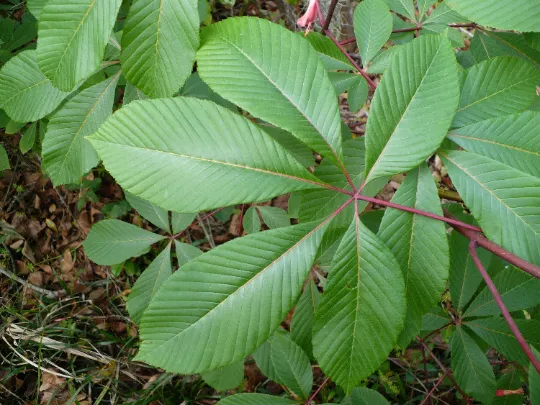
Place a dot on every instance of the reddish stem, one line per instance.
(326, 23)
(430, 393)
(443, 368)
(511, 258)
(348, 41)
(327, 32)
(426, 375)
(359, 196)
(311, 398)
(410, 29)
(473, 245)
(438, 330)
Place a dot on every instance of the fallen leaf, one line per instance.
(67, 262)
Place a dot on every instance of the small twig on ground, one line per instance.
(506, 314)
(430, 393)
(311, 398)
(43, 291)
(443, 368)
(207, 233)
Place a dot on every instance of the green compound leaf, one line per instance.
(419, 244)
(496, 333)
(67, 154)
(4, 159)
(251, 221)
(513, 140)
(225, 378)
(148, 284)
(275, 75)
(464, 276)
(357, 94)
(154, 214)
(29, 138)
(250, 282)
(534, 382)
(330, 55)
(362, 310)
(365, 396)
(159, 43)
(72, 36)
(505, 201)
(255, 399)
(471, 367)
(518, 15)
(35, 7)
(417, 120)
(112, 241)
(274, 217)
(229, 161)
(302, 320)
(181, 221)
(283, 361)
(185, 252)
(26, 94)
(496, 87)
(372, 27)
(403, 7)
(518, 290)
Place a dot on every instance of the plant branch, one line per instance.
(473, 245)
(311, 398)
(430, 393)
(504, 254)
(327, 32)
(47, 293)
(450, 221)
(443, 368)
(326, 23)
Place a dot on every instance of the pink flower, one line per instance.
(311, 14)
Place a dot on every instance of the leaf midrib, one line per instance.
(201, 159)
(502, 145)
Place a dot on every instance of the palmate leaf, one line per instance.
(302, 320)
(186, 252)
(112, 241)
(489, 44)
(365, 396)
(156, 215)
(518, 15)
(330, 55)
(471, 367)
(36, 6)
(250, 282)
(534, 381)
(181, 221)
(225, 378)
(285, 362)
(275, 75)
(372, 27)
(318, 204)
(251, 221)
(464, 276)
(496, 333)
(255, 399)
(67, 154)
(148, 284)
(191, 155)
(72, 38)
(505, 201)
(159, 43)
(419, 244)
(403, 7)
(362, 310)
(26, 94)
(513, 140)
(518, 290)
(496, 87)
(4, 159)
(132, 93)
(357, 94)
(417, 117)
(274, 217)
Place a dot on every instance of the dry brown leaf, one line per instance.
(28, 252)
(67, 262)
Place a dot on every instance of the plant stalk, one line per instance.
(504, 254)
(473, 245)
